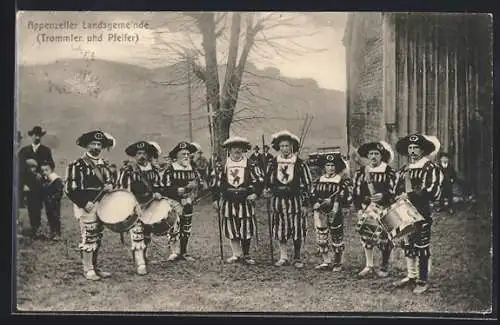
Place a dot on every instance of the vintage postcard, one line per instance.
(261, 162)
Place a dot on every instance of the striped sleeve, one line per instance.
(399, 188)
(124, 180)
(347, 190)
(390, 181)
(305, 177)
(432, 181)
(257, 179)
(215, 183)
(74, 183)
(356, 189)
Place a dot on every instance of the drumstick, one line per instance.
(408, 186)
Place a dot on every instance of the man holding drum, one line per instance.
(330, 193)
(86, 179)
(374, 184)
(420, 182)
(144, 181)
(288, 182)
(181, 180)
(235, 189)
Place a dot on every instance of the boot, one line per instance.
(337, 262)
(183, 249)
(298, 263)
(88, 267)
(102, 274)
(411, 266)
(140, 261)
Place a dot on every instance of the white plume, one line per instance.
(389, 149)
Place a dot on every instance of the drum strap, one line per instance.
(97, 171)
(144, 179)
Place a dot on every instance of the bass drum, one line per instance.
(118, 210)
(162, 216)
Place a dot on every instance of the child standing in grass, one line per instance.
(52, 188)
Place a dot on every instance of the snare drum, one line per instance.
(162, 216)
(369, 226)
(401, 219)
(118, 210)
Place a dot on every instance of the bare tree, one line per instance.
(241, 34)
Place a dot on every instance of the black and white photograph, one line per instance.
(261, 162)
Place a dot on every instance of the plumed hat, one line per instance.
(107, 141)
(422, 141)
(150, 149)
(383, 147)
(183, 145)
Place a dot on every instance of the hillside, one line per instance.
(71, 96)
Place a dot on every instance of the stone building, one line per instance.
(429, 73)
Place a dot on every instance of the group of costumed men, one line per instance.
(285, 181)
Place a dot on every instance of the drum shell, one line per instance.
(369, 226)
(124, 225)
(165, 216)
(401, 219)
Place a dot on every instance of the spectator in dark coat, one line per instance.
(52, 190)
(39, 153)
(450, 177)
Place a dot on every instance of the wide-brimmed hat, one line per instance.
(424, 142)
(335, 159)
(237, 142)
(183, 145)
(149, 148)
(256, 148)
(38, 130)
(383, 147)
(285, 135)
(105, 138)
(197, 145)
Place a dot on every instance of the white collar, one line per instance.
(291, 160)
(35, 146)
(145, 168)
(178, 166)
(419, 163)
(335, 179)
(379, 169)
(96, 160)
(232, 163)
(444, 165)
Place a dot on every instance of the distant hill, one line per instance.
(72, 96)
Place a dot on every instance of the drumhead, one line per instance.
(116, 206)
(156, 211)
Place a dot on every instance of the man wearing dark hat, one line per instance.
(267, 157)
(450, 177)
(181, 181)
(289, 183)
(86, 178)
(256, 157)
(330, 194)
(40, 153)
(235, 189)
(379, 177)
(144, 180)
(421, 182)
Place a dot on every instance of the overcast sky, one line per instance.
(314, 41)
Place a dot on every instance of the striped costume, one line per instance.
(289, 181)
(82, 186)
(383, 178)
(337, 188)
(231, 186)
(426, 179)
(175, 177)
(133, 178)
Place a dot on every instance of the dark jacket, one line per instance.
(42, 154)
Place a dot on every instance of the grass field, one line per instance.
(49, 274)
